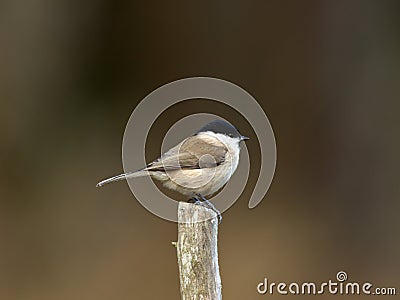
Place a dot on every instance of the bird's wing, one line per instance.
(193, 153)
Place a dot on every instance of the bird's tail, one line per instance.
(139, 173)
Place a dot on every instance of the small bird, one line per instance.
(197, 167)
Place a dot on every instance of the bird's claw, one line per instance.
(207, 204)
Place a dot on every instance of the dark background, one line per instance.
(327, 74)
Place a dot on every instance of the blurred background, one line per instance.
(327, 74)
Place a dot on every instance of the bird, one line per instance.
(197, 167)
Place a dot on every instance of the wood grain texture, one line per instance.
(198, 253)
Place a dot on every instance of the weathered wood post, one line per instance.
(198, 253)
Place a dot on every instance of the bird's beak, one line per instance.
(243, 138)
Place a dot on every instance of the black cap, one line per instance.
(223, 127)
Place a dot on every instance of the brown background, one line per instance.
(326, 72)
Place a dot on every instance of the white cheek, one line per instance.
(233, 148)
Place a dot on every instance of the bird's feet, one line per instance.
(201, 200)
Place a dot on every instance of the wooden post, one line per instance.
(198, 253)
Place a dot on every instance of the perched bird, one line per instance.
(197, 167)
